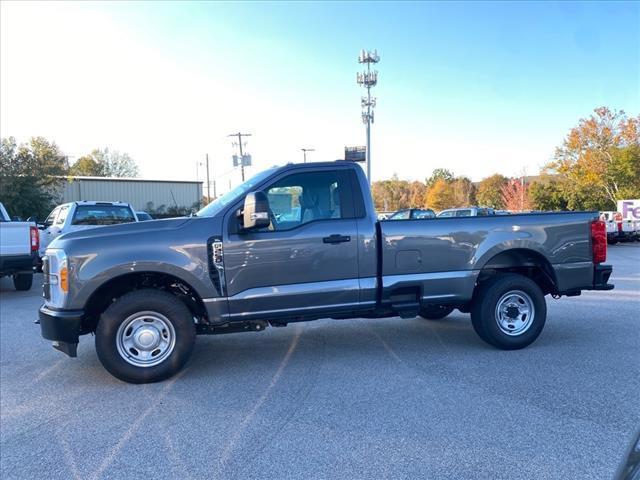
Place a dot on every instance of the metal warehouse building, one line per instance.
(137, 192)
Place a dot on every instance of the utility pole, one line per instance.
(208, 184)
(242, 159)
(304, 152)
(368, 79)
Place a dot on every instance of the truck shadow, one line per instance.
(363, 342)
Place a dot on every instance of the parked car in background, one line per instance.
(466, 212)
(412, 213)
(143, 216)
(147, 289)
(18, 250)
(74, 216)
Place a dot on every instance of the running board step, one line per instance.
(231, 327)
(406, 309)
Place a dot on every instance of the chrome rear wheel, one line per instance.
(515, 313)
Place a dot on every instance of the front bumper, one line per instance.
(62, 327)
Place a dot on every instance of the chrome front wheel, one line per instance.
(145, 339)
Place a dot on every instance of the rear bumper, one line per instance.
(601, 276)
(62, 327)
(621, 236)
(12, 264)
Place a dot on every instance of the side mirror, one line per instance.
(256, 211)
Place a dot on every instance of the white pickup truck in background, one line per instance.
(19, 244)
(74, 216)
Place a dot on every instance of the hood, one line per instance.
(149, 227)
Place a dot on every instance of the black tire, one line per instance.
(23, 281)
(435, 312)
(143, 302)
(484, 316)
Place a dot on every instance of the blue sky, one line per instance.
(475, 87)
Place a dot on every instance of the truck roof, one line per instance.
(97, 202)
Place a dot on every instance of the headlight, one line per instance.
(56, 277)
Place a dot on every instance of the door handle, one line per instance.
(336, 239)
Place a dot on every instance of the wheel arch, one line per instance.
(524, 261)
(100, 299)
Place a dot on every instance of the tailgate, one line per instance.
(16, 238)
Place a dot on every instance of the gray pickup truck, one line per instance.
(302, 242)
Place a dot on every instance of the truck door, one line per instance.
(306, 261)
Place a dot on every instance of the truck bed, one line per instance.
(446, 255)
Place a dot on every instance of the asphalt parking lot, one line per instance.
(385, 398)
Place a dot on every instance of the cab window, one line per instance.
(51, 218)
(301, 198)
(421, 214)
(463, 213)
(401, 215)
(445, 214)
(62, 215)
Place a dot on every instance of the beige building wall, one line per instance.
(137, 192)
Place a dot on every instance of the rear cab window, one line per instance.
(102, 215)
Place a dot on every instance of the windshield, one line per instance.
(219, 203)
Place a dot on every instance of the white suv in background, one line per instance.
(74, 216)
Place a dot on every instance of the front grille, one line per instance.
(46, 286)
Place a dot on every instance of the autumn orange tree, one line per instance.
(599, 160)
(515, 195)
(440, 195)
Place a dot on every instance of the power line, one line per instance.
(243, 160)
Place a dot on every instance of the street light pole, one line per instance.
(304, 152)
(208, 184)
(368, 79)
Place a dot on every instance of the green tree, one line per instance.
(30, 176)
(548, 194)
(107, 163)
(87, 166)
(439, 174)
(490, 191)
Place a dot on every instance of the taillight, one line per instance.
(35, 239)
(599, 241)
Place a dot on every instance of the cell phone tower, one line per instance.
(368, 79)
